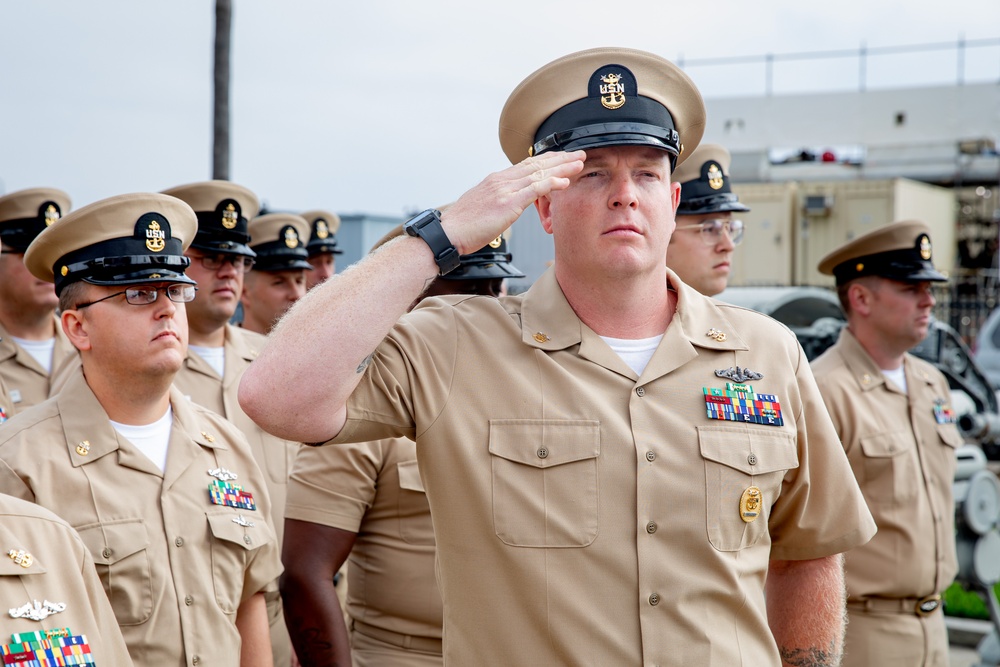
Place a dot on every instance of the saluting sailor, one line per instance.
(594, 502)
(165, 494)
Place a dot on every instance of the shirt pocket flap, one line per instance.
(110, 543)
(950, 435)
(247, 532)
(545, 443)
(750, 451)
(884, 445)
(409, 476)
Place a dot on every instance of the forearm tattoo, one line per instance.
(811, 657)
(364, 363)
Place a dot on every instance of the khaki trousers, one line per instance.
(887, 639)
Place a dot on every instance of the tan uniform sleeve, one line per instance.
(334, 486)
(821, 510)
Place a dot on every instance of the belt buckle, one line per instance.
(928, 605)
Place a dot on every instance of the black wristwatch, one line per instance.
(427, 225)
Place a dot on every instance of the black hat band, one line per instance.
(902, 265)
(714, 203)
(19, 233)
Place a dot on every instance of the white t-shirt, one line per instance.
(41, 350)
(215, 356)
(634, 352)
(151, 439)
(897, 377)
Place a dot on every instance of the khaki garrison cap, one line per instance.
(279, 239)
(704, 180)
(123, 240)
(900, 251)
(323, 228)
(223, 211)
(603, 97)
(25, 213)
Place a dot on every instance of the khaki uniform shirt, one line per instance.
(175, 566)
(59, 570)
(202, 384)
(198, 381)
(904, 461)
(29, 383)
(584, 515)
(374, 489)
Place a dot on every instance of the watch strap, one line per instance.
(427, 226)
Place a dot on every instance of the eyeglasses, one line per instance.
(241, 263)
(143, 296)
(711, 230)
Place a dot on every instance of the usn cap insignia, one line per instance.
(230, 216)
(51, 214)
(291, 236)
(612, 91)
(155, 229)
(715, 178)
(925, 247)
(322, 230)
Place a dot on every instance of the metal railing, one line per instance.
(863, 55)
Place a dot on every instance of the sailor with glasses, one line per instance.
(165, 494)
(701, 248)
(219, 352)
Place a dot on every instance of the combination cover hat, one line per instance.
(705, 186)
(124, 240)
(900, 251)
(323, 228)
(25, 213)
(603, 97)
(224, 210)
(279, 239)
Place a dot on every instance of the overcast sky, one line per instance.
(380, 106)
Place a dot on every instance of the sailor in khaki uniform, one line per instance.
(322, 246)
(33, 346)
(278, 278)
(51, 591)
(164, 493)
(701, 247)
(603, 490)
(365, 503)
(892, 411)
(218, 352)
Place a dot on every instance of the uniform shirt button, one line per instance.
(640, 391)
(650, 456)
(246, 538)
(188, 600)
(106, 553)
(179, 541)
(752, 459)
(654, 599)
(651, 527)
(196, 660)
(542, 452)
